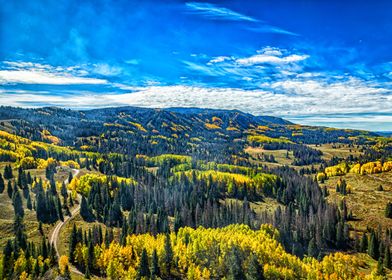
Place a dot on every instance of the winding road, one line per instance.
(54, 237)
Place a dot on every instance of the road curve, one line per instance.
(56, 232)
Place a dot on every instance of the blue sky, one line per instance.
(312, 62)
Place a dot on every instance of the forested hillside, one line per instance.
(134, 193)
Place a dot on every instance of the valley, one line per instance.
(135, 193)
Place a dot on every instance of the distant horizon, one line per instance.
(312, 62)
(294, 121)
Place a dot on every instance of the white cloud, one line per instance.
(39, 77)
(313, 101)
(271, 58)
(36, 73)
(218, 59)
(105, 69)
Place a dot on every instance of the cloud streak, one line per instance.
(215, 12)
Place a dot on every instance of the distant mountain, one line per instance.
(385, 133)
(175, 129)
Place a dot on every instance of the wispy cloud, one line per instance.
(36, 73)
(216, 12)
(271, 29)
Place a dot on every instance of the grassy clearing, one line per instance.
(336, 150)
(267, 205)
(280, 156)
(7, 222)
(365, 201)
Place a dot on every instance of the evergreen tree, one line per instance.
(380, 268)
(155, 271)
(91, 255)
(364, 243)
(168, 254)
(255, 270)
(177, 222)
(20, 234)
(388, 210)
(7, 264)
(18, 204)
(373, 246)
(85, 211)
(73, 240)
(234, 263)
(87, 275)
(29, 203)
(9, 189)
(64, 192)
(143, 269)
(387, 258)
(312, 248)
(8, 172)
(2, 184)
(70, 177)
(59, 209)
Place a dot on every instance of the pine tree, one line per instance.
(2, 184)
(388, 210)
(155, 272)
(234, 263)
(255, 270)
(364, 243)
(177, 222)
(373, 246)
(29, 203)
(44, 248)
(91, 255)
(18, 205)
(143, 269)
(8, 172)
(168, 254)
(387, 258)
(20, 234)
(59, 209)
(380, 268)
(64, 192)
(87, 275)
(85, 210)
(312, 248)
(124, 234)
(70, 177)
(9, 189)
(7, 259)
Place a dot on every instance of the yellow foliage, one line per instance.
(337, 170)
(201, 253)
(85, 182)
(70, 163)
(266, 139)
(138, 126)
(63, 264)
(321, 176)
(387, 166)
(232, 128)
(211, 126)
(371, 168)
(356, 168)
(28, 163)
